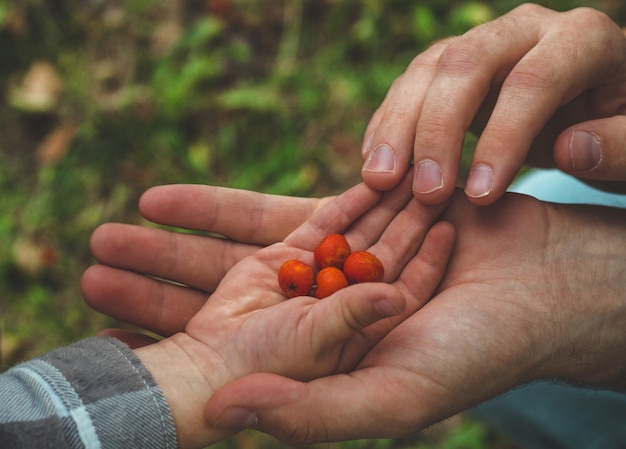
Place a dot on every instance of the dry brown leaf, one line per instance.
(32, 257)
(54, 147)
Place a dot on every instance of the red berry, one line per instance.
(296, 278)
(329, 280)
(332, 251)
(363, 266)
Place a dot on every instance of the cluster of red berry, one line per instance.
(338, 267)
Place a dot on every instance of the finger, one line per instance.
(368, 229)
(466, 70)
(370, 130)
(358, 212)
(132, 339)
(422, 274)
(197, 261)
(157, 306)
(404, 236)
(334, 217)
(268, 218)
(319, 411)
(532, 94)
(390, 135)
(594, 150)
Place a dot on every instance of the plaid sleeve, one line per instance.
(93, 394)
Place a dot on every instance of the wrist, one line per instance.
(593, 298)
(188, 374)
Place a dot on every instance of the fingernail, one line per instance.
(479, 181)
(381, 159)
(584, 150)
(427, 177)
(237, 418)
(386, 308)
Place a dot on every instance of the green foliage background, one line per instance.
(101, 99)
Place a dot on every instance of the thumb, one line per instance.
(334, 408)
(261, 401)
(594, 150)
(352, 309)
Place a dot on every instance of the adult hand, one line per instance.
(533, 290)
(530, 80)
(247, 325)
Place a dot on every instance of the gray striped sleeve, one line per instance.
(93, 394)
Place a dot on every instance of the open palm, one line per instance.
(247, 323)
(520, 301)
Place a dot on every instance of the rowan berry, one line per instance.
(332, 251)
(329, 280)
(363, 266)
(296, 278)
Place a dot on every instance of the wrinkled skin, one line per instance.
(525, 83)
(534, 290)
(529, 287)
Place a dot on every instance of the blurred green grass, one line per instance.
(100, 100)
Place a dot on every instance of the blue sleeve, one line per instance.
(93, 394)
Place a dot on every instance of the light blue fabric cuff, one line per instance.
(558, 187)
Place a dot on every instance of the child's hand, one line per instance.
(157, 279)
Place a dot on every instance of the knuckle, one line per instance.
(429, 58)
(595, 26)
(593, 22)
(529, 9)
(466, 53)
(461, 56)
(438, 126)
(354, 321)
(531, 76)
(589, 16)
